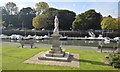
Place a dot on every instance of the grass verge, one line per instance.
(13, 58)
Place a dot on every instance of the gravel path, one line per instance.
(74, 60)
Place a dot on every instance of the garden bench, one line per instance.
(107, 48)
(24, 43)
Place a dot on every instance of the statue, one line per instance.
(56, 52)
(56, 25)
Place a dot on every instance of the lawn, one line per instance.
(13, 58)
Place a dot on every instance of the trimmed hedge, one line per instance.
(64, 33)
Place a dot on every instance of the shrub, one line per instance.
(116, 64)
(115, 58)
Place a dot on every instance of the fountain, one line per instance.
(56, 53)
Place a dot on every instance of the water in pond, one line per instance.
(73, 42)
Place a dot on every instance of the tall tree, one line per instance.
(45, 20)
(39, 21)
(5, 15)
(109, 23)
(87, 20)
(118, 21)
(9, 19)
(50, 14)
(2, 22)
(11, 8)
(41, 7)
(79, 23)
(65, 18)
(25, 17)
(9, 14)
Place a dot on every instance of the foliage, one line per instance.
(118, 21)
(2, 22)
(114, 60)
(116, 65)
(11, 8)
(114, 57)
(109, 23)
(65, 18)
(41, 7)
(39, 21)
(16, 19)
(4, 15)
(9, 14)
(87, 20)
(50, 15)
(79, 22)
(25, 17)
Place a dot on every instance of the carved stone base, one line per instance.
(55, 57)
(55, 52)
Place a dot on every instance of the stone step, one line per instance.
(55, 54)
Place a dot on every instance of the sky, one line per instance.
(105, 7)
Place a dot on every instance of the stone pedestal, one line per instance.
(56, 52)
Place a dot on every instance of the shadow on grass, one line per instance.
(93, 62)
(89, 61)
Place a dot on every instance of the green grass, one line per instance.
(13, 58)
(0, 58)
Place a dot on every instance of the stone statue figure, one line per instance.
(56, 53)
(56, 26)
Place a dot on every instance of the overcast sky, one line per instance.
(105, 7)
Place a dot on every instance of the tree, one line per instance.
(9, 19)
(41, 7)
(118, 21)
(65, 18)
(87, 20)
(2, 22)
(5, 15)
(11, 8)
(39, 21)
(25, 17)
(79, 22)
(109, 23)
(9, 14)
(50, 15)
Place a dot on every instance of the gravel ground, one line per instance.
(74, 61)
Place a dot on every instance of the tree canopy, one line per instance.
(109, 23)
(43, 17)
(11, 8)
(25, 17)
(65, 18)
(2, 22)
(41, 7)
(87, 20)
(39, 21)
